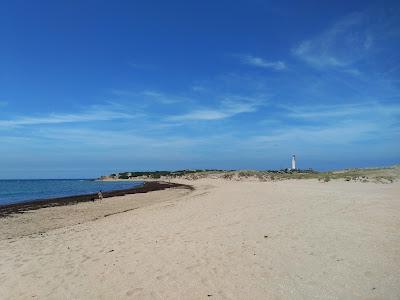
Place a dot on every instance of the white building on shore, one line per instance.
(293, 162)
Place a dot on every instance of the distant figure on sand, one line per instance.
(100, 194)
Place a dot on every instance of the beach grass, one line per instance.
(378, 175)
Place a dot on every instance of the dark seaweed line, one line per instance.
(18, 208)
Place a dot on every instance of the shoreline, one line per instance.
(22, 207)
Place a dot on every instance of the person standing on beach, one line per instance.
(100, 194)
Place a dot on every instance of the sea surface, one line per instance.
(16, 191)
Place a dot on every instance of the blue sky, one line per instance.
(92, 87)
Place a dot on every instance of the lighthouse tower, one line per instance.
(294, 162)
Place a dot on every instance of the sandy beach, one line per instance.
(291, 239)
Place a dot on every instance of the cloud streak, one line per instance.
(94, 113)
(262, 63)
(343, 133)
(161, 97)
(345, 42)
(370, 109)
(228, 109)
(335, 125)
(152, 95)
(356, 39)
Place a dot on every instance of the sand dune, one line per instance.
(294, 239)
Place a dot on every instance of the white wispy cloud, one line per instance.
(337, 124)
(152, 95)
(366, 109)
(93, 113)
(124, 93)
(262, 63)
(340, 127)
(147, 145)
(355, 39)
(227, 109)
(162, 97)
(342, 133)
(346, 42)
(199, 88)
(353, 71)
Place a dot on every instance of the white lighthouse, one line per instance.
(293, 162)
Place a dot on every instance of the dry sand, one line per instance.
(295, 239)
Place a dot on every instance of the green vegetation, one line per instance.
(327, 178)
(159, 174)
(377, 175)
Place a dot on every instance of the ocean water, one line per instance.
(16, 191)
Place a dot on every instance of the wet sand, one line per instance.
(23, 207)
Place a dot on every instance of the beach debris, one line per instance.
(18, 208)
(209, 295)
(112, 250)
(265, 236)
